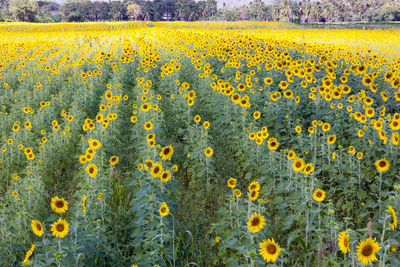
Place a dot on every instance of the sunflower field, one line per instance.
(198, 144)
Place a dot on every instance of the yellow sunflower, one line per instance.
(237, 193)
(254, 186)
(91, 170)
(309, 168)
(156, 170)
(366, 250)
(269, 250)
(291, 155)
(37, 228)
(254, 195)
(319, 195)
(256, 223)
(167, 152)
(59, 205)
(232, 182)
(94, 143)
(60, 228)
(165, 176)
(382, 165)
(209, 152)
(344, 242)
(148, 126)
(331, 139)
(392, 212)
(298, 164)
(84, 200)
(114, 160)
(29, 254)
(164, 210)
(273, 144)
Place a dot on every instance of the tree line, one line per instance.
(297, 11)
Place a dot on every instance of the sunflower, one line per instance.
(209, 152)
(254, 195)
(197, 118)
(298, 164)
(382, 165)
(256, 223)
(309, 168)
(232, 182)
(167, 152)
(165, 176)
(254, 186)
(114, 160)
(291, 154)
(273, 144)
(84, 200)
(148, 164)
(60, 228)
(331, 139)
(366, 250)
(148, 126)
(91, 170)
(237, 193)
(344, 242)
(37, 228)
(59, 205)
(392, 212)
(156, 170)
(94, 143)
(319, 195)
(269, 250)
(257, 115)
(29, 254)
(164, 210)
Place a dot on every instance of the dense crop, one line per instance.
(179, 144)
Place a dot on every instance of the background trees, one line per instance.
(297, 11)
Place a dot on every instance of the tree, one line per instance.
(24, 10)
(134, 11)
(116, 11)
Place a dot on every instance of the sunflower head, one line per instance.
(209, 152)
(59, 205)
(164, 210)
(60, 228)
(273, 144)
(114, 160)
(319, 195)
(165, 176)
(382, 165)
(298, 164)
(309, 168)
(269, 250)
(254, 195)
(91, 170)
(256, 223)
(344, 242)
(156, 170)
(366, 250)
(237, 193)
(167, 152)
(37, 228)
(254, 186)
(232, 182)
